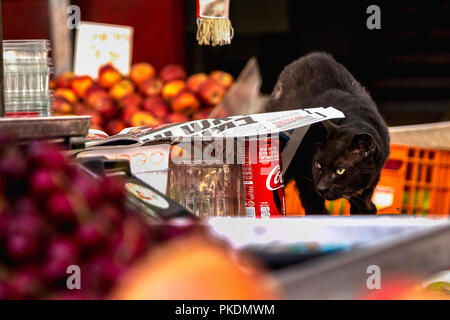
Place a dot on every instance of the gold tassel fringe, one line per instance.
(214, 32)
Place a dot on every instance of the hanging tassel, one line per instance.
(213, 25)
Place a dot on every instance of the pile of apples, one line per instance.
(143, 98)
(53, 216)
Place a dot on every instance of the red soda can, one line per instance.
(263, 178)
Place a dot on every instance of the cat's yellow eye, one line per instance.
(317, 165)
(340, 171)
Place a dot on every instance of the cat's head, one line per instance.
(344, 162)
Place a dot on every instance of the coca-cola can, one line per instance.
(263, 178)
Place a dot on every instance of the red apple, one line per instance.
(211, 92)
(142, 71)
(185, 101)
(121, 89)
(80, 84)
(172, 88)
(202, 114)
(223, 78)
(66, 93)
(61, 106)
(128, 112)
(177, 117)
(151, 87)
(115, 126)
(172, 72)
(157, 106)
(108, 76)
(195, 81)
(133, 99)
(64, 80)
(144, 118)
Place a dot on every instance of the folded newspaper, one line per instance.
(148, 149)
(229, 127)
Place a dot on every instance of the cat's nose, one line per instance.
(322, 187)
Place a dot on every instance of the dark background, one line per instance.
(405, 65)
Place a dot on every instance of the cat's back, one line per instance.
(308, 77)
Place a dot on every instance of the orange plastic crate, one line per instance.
(413, 181)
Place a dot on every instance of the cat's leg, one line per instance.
(311, 201)
(362, 203)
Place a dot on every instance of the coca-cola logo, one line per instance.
(274, 180)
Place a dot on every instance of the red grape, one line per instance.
(20, 246)
(60, 207)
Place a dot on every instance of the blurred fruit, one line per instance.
(157, 106)
(68, 94)
(64, 80)
(132, 100)
(177, 117)
(202, 114)
(52, 84)
(211, 92)
(195, 268)
(121, 89)
(172, 72)
(128, 112)
(58, 218)
(185, 101)
(151, 87)
(223, 78)
(115, 126)
(195, 81)
(172, 88)
(108, 76)
(101, 102)
(80, 84)
(142, 71)
(96, 118)
(117, 97)
(143, 119)
(61, 106)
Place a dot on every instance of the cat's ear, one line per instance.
(330, 128)
(277, 91)
(364, 144)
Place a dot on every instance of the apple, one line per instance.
(223, 78)
(133, 99)
(142, 71)
(143, 119)
(121, 89)
(195, 81)
(108, 76)
(100, 101)
(80, 84)
(66, 93)
(128, 112)
(177, 117)
(96, 118)
(172, 72)
(64, 80)
(151, 87)
(185, 101)
(115, 126)
(172, 88)
(202, 114)
(61, 106)
(211, 92)
(157, 106)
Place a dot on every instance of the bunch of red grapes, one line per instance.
(53, 216)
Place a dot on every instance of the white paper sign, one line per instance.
(97, 44)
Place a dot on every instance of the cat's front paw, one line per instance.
(359, 207)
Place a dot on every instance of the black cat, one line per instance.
(338, 158)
